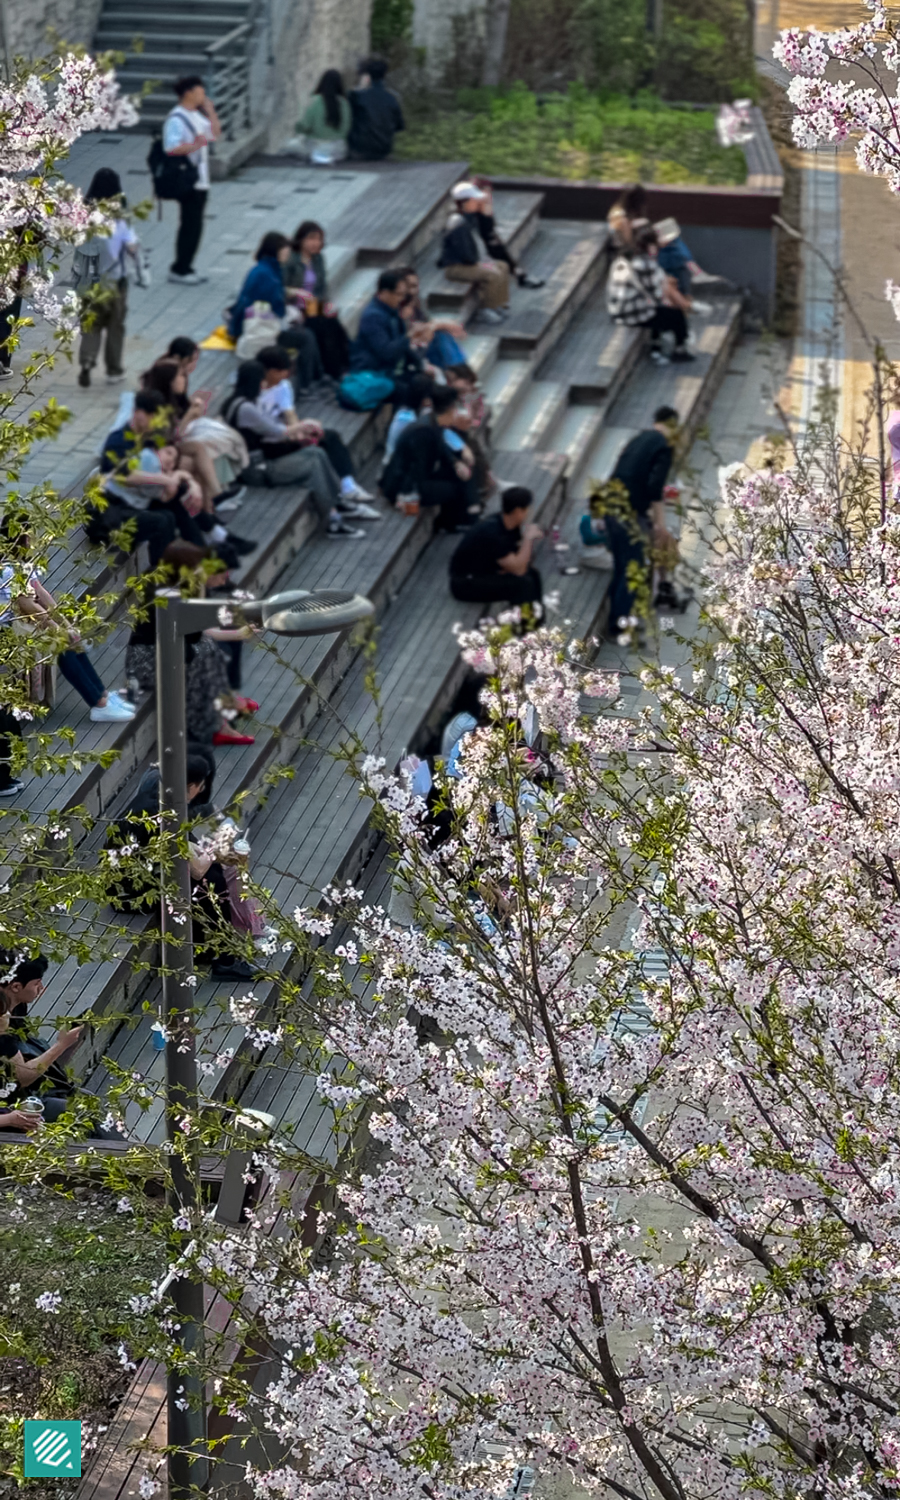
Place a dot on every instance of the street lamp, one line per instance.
(297, 613)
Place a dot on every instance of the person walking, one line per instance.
(460, 259)
(641, 472)
(100, 264)
(188, 131)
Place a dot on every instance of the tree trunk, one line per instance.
(497, 17)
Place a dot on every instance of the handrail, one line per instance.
(230, 36)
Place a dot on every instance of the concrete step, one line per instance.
(574, 435)
(536, 415)
(504, 387)
(571, 259)
(168, 40)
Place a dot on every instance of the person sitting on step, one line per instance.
(38, 1068)
(440, 473)
(377, 113)
(492, 563)
(36, 605)
(284, 453)
(496, 249)
(460, 258)
(384, 345)
(636, 292)
(276, 399)
(306, 279)
(326, 121)
(209, 698)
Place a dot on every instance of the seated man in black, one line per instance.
(36, 1069)
(493, 561)
(377, 115)
(431, 461)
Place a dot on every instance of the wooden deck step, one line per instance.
(595, 356)
(398, 212)
(572, 260)
(536, 416)
(504, 387)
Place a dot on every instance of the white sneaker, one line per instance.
(13, 790)
(356, 492)
(111, 713)
(339, 531)
(113, 697)
(358, 511)
(658, 357)
(191, 279)
(703, 308)
(5, 372)
(489, 315)
(218, 534)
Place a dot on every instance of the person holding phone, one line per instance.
(189, 130)
(34, 1067)
(221, 440)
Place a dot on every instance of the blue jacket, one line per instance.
(261, 284)
(382, 342)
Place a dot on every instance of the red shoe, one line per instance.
(228, 737)
(245, 705)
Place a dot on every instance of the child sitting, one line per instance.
(592, 530)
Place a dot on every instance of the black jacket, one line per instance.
(377, 116)
(460, 247)
(643, 468)
(422, 462)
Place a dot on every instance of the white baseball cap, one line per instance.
(465, 190)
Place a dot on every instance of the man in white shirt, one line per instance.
(188, 130)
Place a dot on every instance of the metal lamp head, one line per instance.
(317, 612)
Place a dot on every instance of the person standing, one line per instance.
(493, 561)
(104, 300)
(642, 471)
(377, 114)
(188, 131)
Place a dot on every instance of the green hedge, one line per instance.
(517, 133)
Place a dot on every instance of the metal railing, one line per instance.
(228, 79)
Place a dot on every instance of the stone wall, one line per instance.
(450, 36)
(305, 39)
(27, 22)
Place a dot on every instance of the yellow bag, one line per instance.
(220, 338)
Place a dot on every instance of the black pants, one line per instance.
(307, 360)
(155, 527)
(184, 523)
(334, 344)
(338, 453)
(190, 230)
(497, 588)
(628, 544)
(498, 251)
(9, 726)
(457, 503)
(669, 320)
(8, 316)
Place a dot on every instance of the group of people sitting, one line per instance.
(361, 123)
(650, 283)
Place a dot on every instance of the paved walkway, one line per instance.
(241, 210)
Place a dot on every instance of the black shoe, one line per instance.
(232, 968)
(531, 283)
(241, 544)
(233, 491)
(84, 376)
(682, 355)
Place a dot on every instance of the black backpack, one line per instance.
(173, 176)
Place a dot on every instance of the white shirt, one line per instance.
(122, 238)
(177, 132)
(277, 400)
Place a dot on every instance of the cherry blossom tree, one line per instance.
(614, 1083)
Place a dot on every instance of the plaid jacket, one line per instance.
(634, 290)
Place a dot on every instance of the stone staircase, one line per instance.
(211, 37)
(567, 388)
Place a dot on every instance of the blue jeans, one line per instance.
(628, 544)
(444, 350)
(78, 669)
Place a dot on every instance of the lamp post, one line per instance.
(296, 613)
